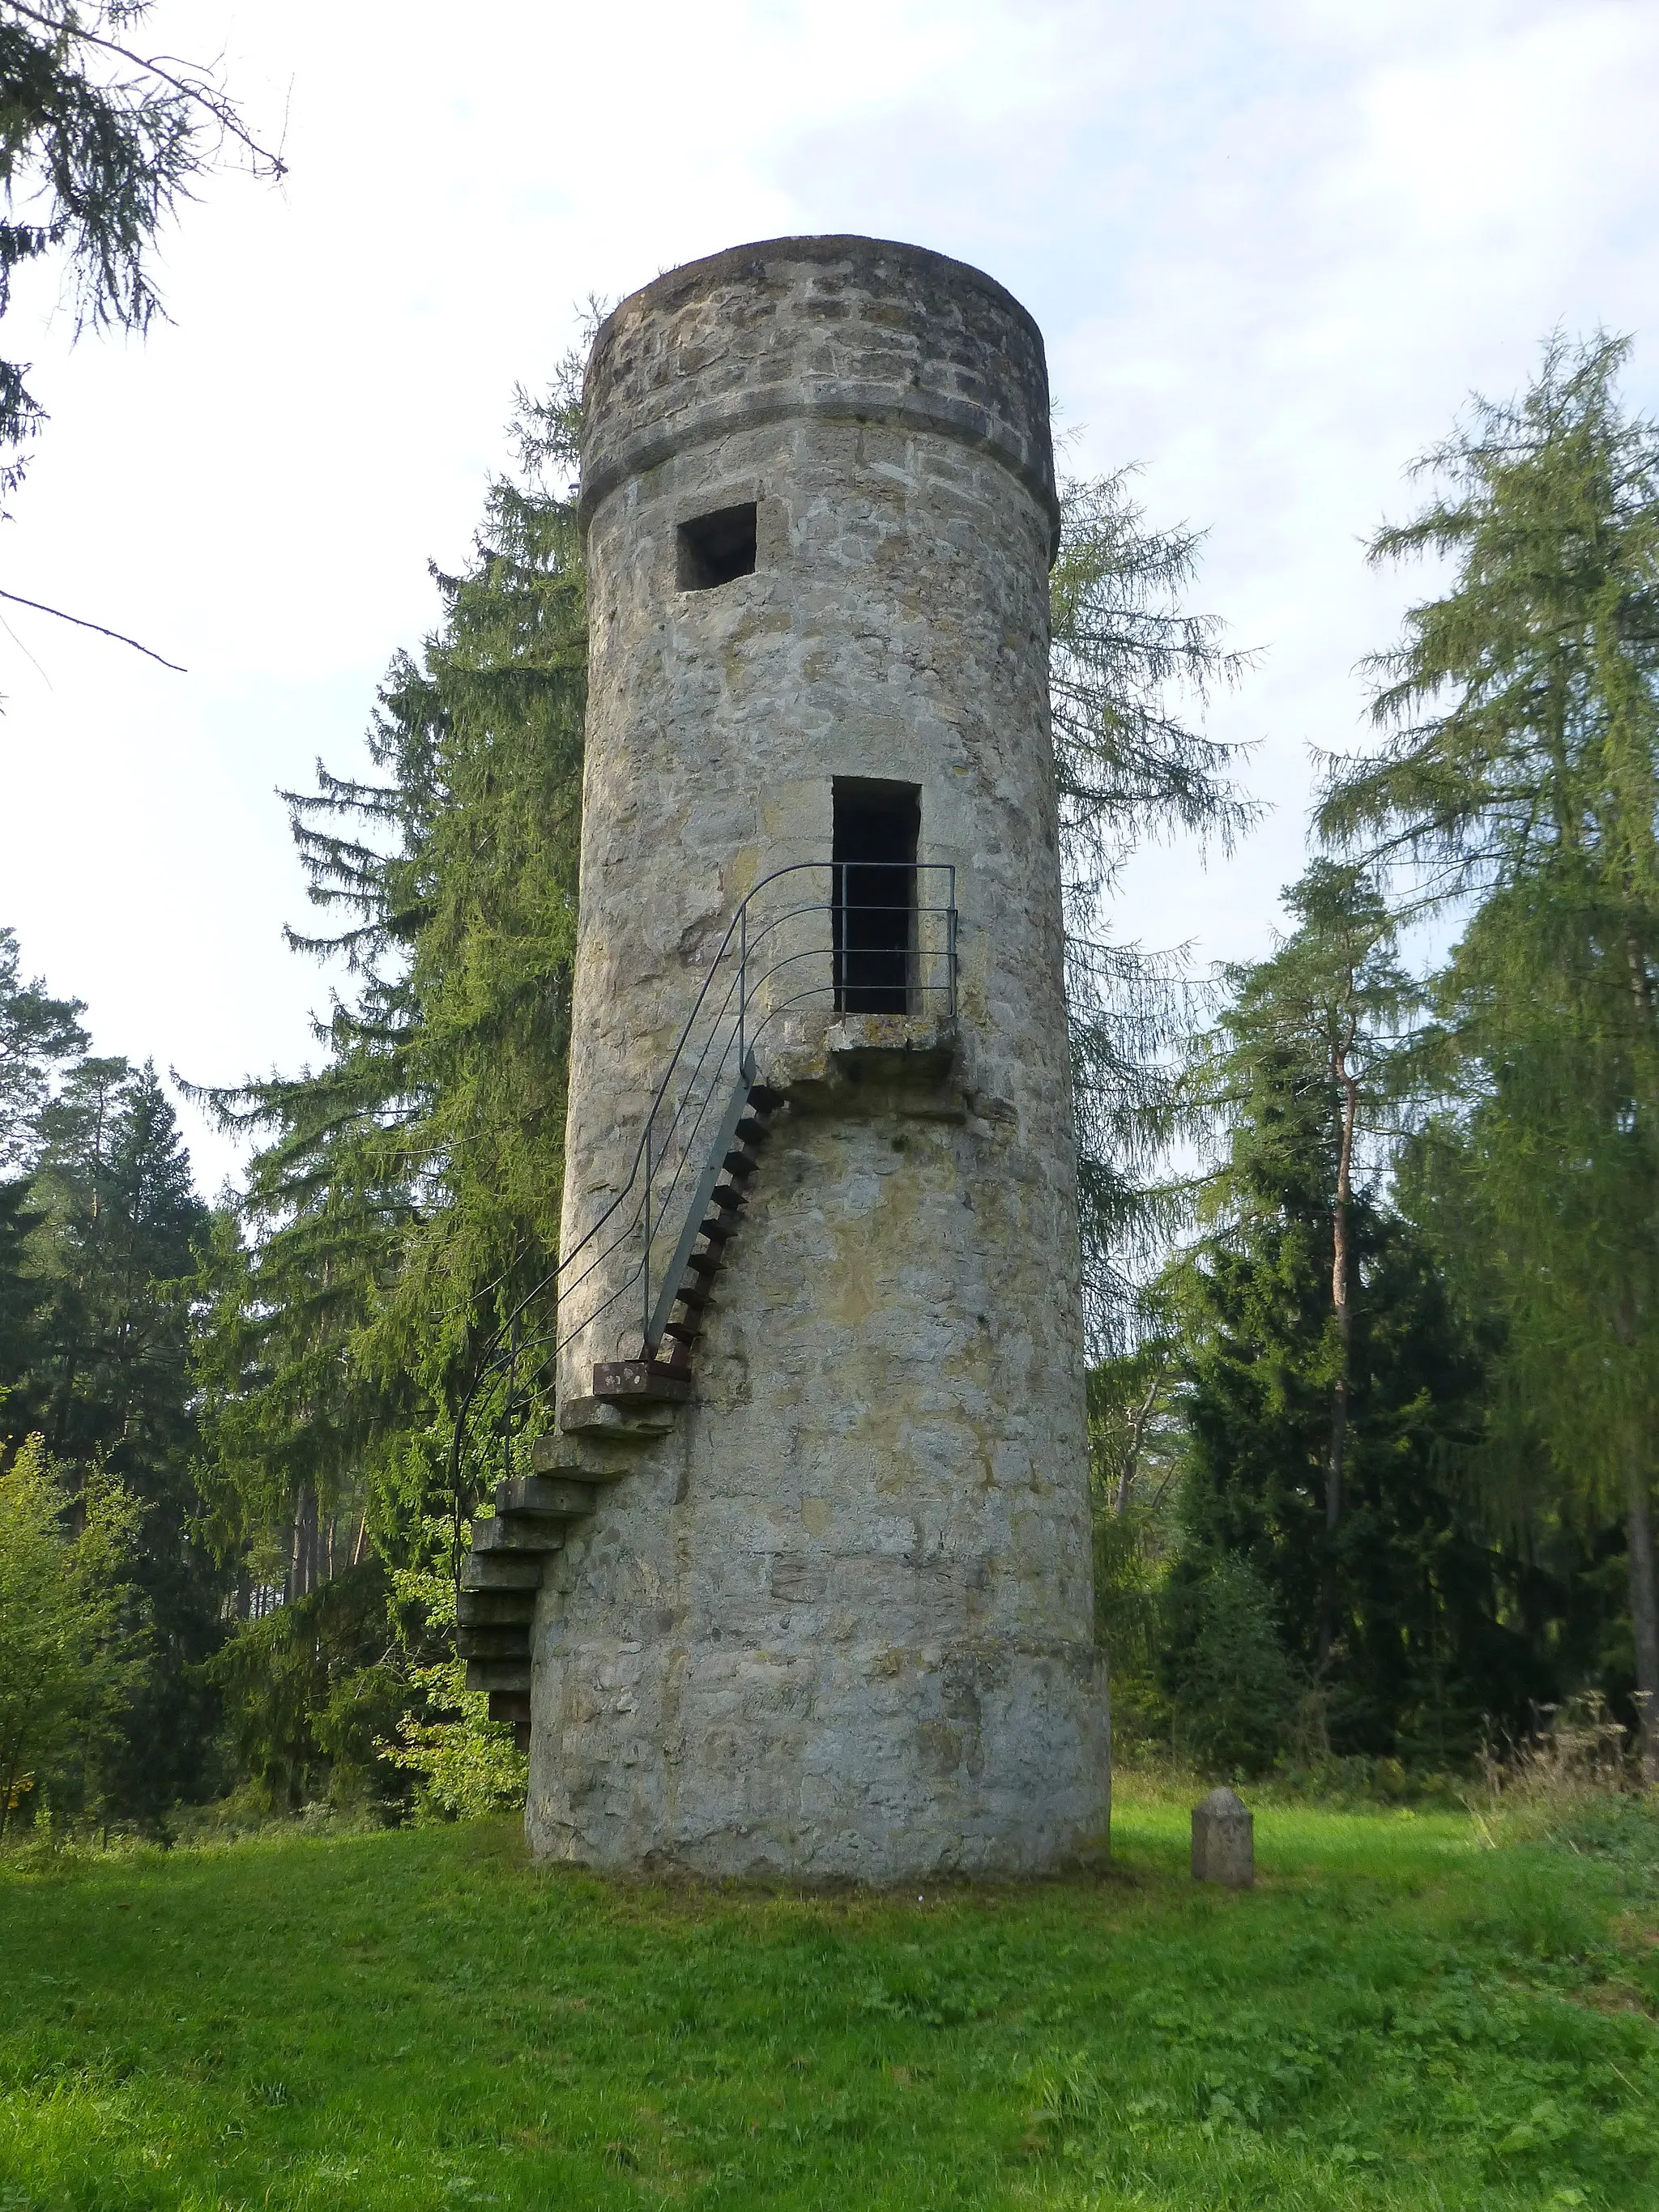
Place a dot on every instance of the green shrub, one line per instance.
(1233, 1693)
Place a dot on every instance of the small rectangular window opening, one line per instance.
(716, 548)
(874, 874)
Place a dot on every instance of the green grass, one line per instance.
(1395, 2017)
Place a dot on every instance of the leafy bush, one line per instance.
(73, 1641)
(465, 1764)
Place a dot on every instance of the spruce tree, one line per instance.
(116, 1245)
(407, 1194)
(99, 143)
(1329, 1395)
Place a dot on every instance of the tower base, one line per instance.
(876, 1764)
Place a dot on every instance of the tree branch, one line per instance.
(202, 91)
(80, 622)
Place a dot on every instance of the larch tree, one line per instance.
(1519, 777)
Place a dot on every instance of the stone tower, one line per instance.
(818, 1596)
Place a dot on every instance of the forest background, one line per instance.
(1366, 1246)
(1367, 1252)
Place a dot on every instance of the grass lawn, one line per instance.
(1395, 2017)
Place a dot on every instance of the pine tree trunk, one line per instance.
(1340, 1274)
(1643, 1605)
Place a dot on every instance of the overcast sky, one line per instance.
(1273, 244)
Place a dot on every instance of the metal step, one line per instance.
(682, 1332)
(752, 1131)
(740, 1164)
(725, 1198)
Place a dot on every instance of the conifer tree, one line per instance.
(115, 1243)
(1124, 654)
(1521, 775)
(1306, 1073)
(407, 1194)
(39, 1037)
(1329, 1395)
(98, 142)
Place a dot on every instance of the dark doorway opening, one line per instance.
(716, 548)
(877, 826)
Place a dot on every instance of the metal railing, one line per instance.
(843, 951)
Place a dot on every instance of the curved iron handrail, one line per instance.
(673, 1145)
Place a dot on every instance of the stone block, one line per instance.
(501, 1570)
(604, 1418)
(517, 1531)
(1223, 1841)
(558, 1497)
(495, 1609)
(509, 1640)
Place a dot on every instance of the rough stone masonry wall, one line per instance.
(839, 1622)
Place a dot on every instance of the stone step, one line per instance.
(593, 1456)
(630, 1380)
(517, 1531)
(555, 1496)
(501, 1570)
(485, 1643)
(496, 1674)
(615, 1423)
(481, 1608)
(511, 1705)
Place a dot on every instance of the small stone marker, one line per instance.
(1223, 1841)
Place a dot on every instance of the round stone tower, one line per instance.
(826, 1606)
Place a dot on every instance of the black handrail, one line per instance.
(671, 1147)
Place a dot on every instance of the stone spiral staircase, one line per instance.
(631, 1403)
